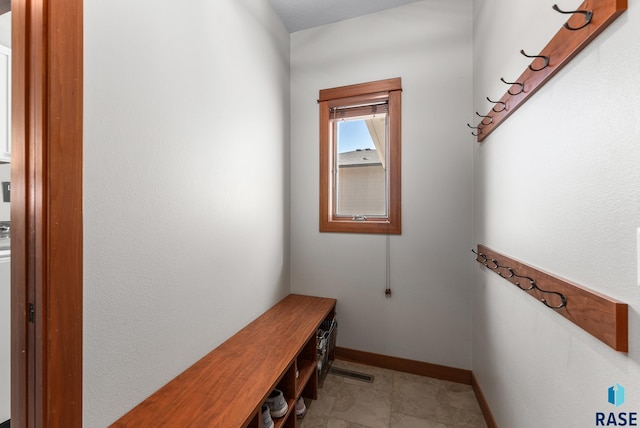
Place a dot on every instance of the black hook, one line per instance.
(532, 283)
(510, 271)
(588, 14)
(563, 299)
(504, 105)
(484, 262)
(495, 267)
(546, 60)
(475, 127)
(512, 274)
(483, 117)
(513, 83)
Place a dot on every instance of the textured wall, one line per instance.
(5, 29)
(183, 246)
(556, 186)
(428, 44)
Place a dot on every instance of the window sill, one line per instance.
(373, 226)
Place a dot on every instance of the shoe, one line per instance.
(301, 409)
(277, 404)
(267, 422)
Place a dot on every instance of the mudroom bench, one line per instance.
(227, 387)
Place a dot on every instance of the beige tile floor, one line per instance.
(393, 400)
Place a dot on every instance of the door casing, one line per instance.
(46, 213)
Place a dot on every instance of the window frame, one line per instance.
(351, 95)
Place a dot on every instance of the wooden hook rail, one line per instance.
(572, 37)
(601, 316)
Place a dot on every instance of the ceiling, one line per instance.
(302, 14)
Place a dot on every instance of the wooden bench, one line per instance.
(227, 387)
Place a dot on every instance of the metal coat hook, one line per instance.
(511, 272)
(588, 15)
(563, 299)
(495, 266)
(546, 60)
(483, 118)
(475, 127)
(504, 105)
(513, 83)
(532, 283)
(484, 262)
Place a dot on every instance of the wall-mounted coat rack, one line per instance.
(601, 316)
(584, 25)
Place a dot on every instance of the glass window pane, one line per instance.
(360, 172)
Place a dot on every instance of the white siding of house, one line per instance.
(361, 190)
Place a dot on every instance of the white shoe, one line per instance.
(301, 409)
(277, 404)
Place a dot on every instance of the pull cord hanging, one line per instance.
(387, 291)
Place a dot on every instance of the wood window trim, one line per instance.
(330, 98)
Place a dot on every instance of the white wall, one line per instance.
(428, 44)
(182, 246)
(5, 29)
(556, 186)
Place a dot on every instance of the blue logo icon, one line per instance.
(616, 395)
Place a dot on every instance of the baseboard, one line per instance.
(484, 404)
(6, 424)
(436, 371)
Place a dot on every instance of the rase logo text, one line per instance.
(615, 396)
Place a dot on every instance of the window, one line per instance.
(360, 158)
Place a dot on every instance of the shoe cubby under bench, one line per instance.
(227, 387)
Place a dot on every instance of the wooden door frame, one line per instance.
(46, 213)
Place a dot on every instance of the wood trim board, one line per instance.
(561, 49)
(603, 317)
(483, 403)
(451, 374)
(386, 85)
(46, 213)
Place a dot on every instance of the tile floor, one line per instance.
(393, 400)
